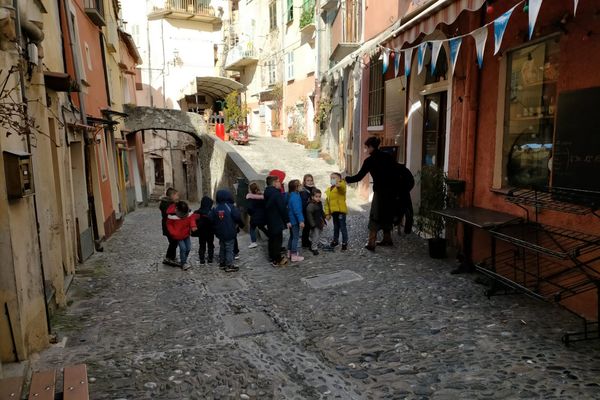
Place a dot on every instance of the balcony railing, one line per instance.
(241, 56)
(95, 11)
(199, 10)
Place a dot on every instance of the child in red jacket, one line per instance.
(181, 222)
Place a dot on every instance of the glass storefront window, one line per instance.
(531, 98)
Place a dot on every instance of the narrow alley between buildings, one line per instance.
(356, 325)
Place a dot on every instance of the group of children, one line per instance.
(302, 210)
(179, 224)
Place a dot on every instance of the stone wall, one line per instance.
(222, 167)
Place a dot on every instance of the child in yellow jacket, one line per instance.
(335, 207)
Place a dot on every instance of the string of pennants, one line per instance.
(480, 36)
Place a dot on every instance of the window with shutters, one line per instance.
(273, 15)
(290, 10)
(376, 93)
(289, 66)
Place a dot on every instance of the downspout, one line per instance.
(149, 59)
(28, 141)
(474, 89)
(106, 77)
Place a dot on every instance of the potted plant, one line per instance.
(434, 197)
(277, 95)
(234, 112)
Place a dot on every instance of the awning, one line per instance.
(425, 22)
(408, 28)
(217, 87)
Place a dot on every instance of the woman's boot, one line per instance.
(372, 240)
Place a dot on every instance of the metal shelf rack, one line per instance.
(547, 262)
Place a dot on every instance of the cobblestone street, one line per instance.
(400, 327)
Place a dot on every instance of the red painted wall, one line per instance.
(574, 73)
(579, 57)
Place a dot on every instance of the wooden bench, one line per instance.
(43, 385)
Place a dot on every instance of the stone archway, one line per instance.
(175, 139)
(148, 118)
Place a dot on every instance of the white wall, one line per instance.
(162, 42)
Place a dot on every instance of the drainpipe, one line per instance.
(318, 39)
(149, 59)
(473, 88)
(28, 141)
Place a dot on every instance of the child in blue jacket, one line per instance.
(296, 219)
(226, 218)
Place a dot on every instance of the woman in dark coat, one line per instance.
(382, 167)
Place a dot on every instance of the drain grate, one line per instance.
(333, 279)
(254, 323)
(220, 286)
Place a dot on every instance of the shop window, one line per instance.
(376, 93)
(529, 114)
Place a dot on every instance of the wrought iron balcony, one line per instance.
(95, 11)
(241, 56)
(192, 10)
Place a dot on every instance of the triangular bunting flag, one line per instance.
(480, 36)
(386, 60)
(499, 28)
(436, 45)
(454, 45)
(396, 62)
(421, 56)
(575, 9)
(534, 10)
(407, 61)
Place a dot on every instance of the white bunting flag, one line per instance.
(499, 28)
(436, 46)
(534, 10)
(421, 56)
(480, 36)
(454, 45)
(386, 60)
(396, 62)
(407, 61)
(575, 9)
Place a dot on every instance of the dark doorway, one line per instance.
(159, 171)
(434, 130)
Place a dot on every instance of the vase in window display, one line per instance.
(529, 73)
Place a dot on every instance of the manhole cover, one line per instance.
(248, 324)
(333, 279)
(219, 286)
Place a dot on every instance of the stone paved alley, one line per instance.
(402, 327)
